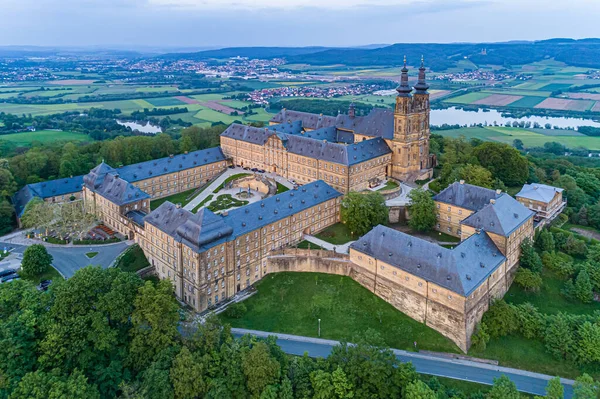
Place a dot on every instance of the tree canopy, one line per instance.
(361, 212)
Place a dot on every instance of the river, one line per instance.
(457, 116)
(141, 127)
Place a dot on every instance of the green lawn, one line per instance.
(133, 260)
(305, 245)
(91, 254)
(44, 136)
(549, 299)
(179, 198)
(281, 188)
(389, 185)
(345, 308)
(226, 201)
(50, 274)
(201, 204)
(231, 178)
(336, 234)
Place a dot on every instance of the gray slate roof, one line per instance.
(378, 123)
(466, 196)
(338, 153)
(116, 190)
(460, 270)
(502, 217)
(204, 230)
(539, 192)
(163, 166)
(47, 189)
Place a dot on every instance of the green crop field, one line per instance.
(467, 98)
(530, 137)
(528, 102)
(43, 136)
(165, 102)
(556, 86)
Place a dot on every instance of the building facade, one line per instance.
(546, 201)
(350, 152)
(209, 258)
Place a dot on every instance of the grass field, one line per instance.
(179, 198)
(43, 136)
(50, 274)
(336, 234)
(133, 260)
(345, 308)
(530, 137)
(468, 98)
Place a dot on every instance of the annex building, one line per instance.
(350, 152)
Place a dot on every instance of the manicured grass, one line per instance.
(44, 136)
(50, 274)
(336, 234)
(179, 198)
(346, 310)
(201, 204)
(226, 201)
(231, 178)
(91, 254)
(133, 260)
(306, 244)
(281, 188)
(389, 185)
(549, 299)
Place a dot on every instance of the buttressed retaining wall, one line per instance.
(454, 322)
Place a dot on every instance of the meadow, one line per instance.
(530, 137)
(44, 136)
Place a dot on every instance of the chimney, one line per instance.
(171, 156)
(185, 152)
(178, 205)
(462, 182)
(225, 213)
(498, 191)
(492, 201)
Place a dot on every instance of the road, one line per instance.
(526, 381)
(68, 259)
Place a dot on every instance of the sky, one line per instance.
(226, 23)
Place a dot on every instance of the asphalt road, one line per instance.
(482, 373)
(68, 259)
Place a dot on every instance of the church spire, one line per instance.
(404, 89)
(422, 85)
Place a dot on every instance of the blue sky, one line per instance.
(200, 23)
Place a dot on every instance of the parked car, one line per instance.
(261, 171)
(7, 272)
(10, 277)
(254, 169)
(246, 168)
(231, 167)
(44, 284)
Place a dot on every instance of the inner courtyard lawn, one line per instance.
(292, 303)
(336, 234)
(179, 198)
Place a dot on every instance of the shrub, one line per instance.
(236, 311)
(560, 263)
(529, 257)
(480, 337)
(500, 319)
(531, 322)
(528, 280)
(583, 287)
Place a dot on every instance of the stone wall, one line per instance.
(254, 182)
(397, 214)
(451, 315)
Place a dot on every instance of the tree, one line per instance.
(480, 337)
(518, 144)
(529, 258)
(419, 390)
(188, 376)
(500, 319)
(528, 280)
(37, 214)
(421, 210)
(583, 287)
(154, 322)
(594, 253)
(36, 260)
(42, 385)
(286, 391)
(362, 212)
(7, 216)
(8, 186)
(343, 389)
(260, 369)
(554, 389)
(503, 388)
(72, 218)
(588, 343)
(505, 163)
(585, 387)
(559, 336)
(545, 241)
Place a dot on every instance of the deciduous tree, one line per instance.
(421, 210)
(362, 212)
(36, 260)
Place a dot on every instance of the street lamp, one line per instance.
(319, 327)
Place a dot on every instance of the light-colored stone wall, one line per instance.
(541, 208)
(449, 218)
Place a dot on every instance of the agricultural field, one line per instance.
(530, 137)
(43, 136)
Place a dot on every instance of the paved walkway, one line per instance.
(465, 370)
(402, 199)
(230, 172)
(340, 248)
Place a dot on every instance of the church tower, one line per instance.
(410, 144)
